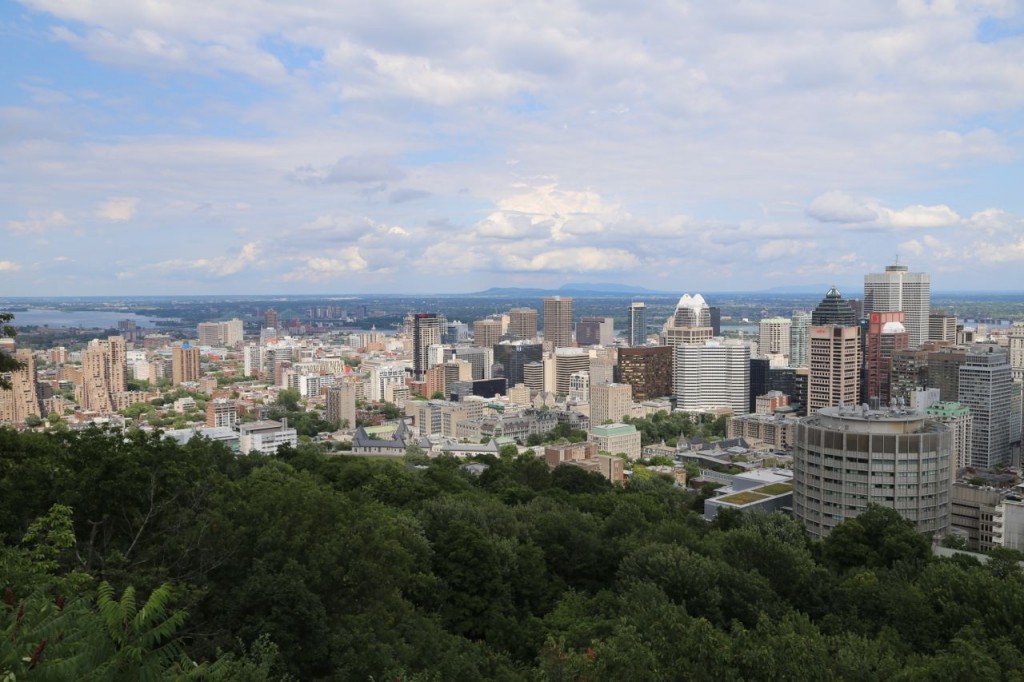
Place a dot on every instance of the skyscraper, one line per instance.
(104, 374)
(637, 323)
(886, 335)
(711, 375)
(270, 319)
(593, 331)
(799, 339)
(511, 359)
(834, 354)
(486, 332)
(610, 403)
(558, 322)
(522, 323)
(985, 387)
(426, 331)
(184, 364)
(833, 309)
(899, 289)
(20, 401)
(647, 369)
(775, 336)
(690, 322)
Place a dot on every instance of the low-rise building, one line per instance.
(265, 437)
(617, 438)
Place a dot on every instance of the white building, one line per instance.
(712, 375)
(899, 289)
(579, 387)
(774, 338)
(265, 437)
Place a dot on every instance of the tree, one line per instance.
(289, 399)
(7, 362)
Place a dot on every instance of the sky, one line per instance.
(257, 147)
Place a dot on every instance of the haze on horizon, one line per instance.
(211, 148)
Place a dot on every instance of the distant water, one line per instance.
(87, 319)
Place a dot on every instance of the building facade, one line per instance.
(986, 389)
(899, 289)
(712, 375)
(558, 322)
(647, 369)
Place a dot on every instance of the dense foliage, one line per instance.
(141, 559)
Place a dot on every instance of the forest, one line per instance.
(124, 556)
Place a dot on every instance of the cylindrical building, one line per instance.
(845, 458)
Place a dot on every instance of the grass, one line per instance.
(745, 497)
(775, 488)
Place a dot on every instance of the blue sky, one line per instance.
(238, 147)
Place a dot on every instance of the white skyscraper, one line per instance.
(799, 338)
(712, 374)
(899, 289)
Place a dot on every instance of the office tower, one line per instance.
(610, 403)
(104, 374)
(522, 323)
(941, 326)
(760, 370)
(899, 289)
(21, 400)
(128, 330)
(341, 405)
(886, 335)
(985, 387)
(846, 458)
(579, 387)
(209, 333)
(558, 322)
(958, 420)
(712, 375)
(602, 369)
(480, 358)
(455, 332)
(799, 338)
(457, 370)
(595, 331)
(774, 338)
(567, 361)
(184, 364)
(271, 319)
(647, 369)
(510, 358)
(533, 376)
(834, 310)
(637, 323)
(1016, 350)
(221, 412)
(943, 371)
(487, 332)
(426, 331)
(690, 322)
(715, 320)
(835, 367)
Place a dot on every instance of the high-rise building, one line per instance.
(715, 320)
(637, 323)
(799, 338)
(958, 419)
(579, 387)
(426, 331)
(184, 364)
(341, 405)
(480, 358)
(835, 367)
(522, 323)
(568, 361)
(104, 374)
(774, 338)
(510, 359)
(647, 369)
(689, 323)
(760, 372)
(846, 458)
(221, 412)
(610, 403)
(985, 387)
(1015, 348)
(271, 319)
(941, 326)
(886, 335)
(595, 331)
(834, 310)
(712, 375)
(21, 400)
(533, 376)
(486, 332)
(558, 322)
(899, 289)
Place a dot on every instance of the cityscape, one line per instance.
(540, 342)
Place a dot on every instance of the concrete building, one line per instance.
(226, 334)
(834, 310)
(481, 359)
(774, 337)
(834, 377)
(486, 332)
(637, 324)
(522, 324)
(689, 323)
(776, 430)
(105, 374)
(426, 331)
(21, 400)
(595, 331)
(1008, 522)
(567, 362)
(712, 375)
(184, 364)
(271, 319)
(899, 289)
(958, 420)
(579, 387)
(1015, 348)
(647, 369)
(847, 458)
(220, 412)
(610, 402)
(973, 514)
(615, 439)
(941, 326)
(558, 322)
(340, 407)
(510, 359)
(986, 389)
(265, 437)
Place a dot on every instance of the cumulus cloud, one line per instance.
(839, 207)
(9, 266)
(583, 259)
(39, 222)
(118, 209)
(328, 266)
(219, 266)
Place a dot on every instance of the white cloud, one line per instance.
(839, 207)
(860, 213)
(329, 266)
(38, 222)
(118, 209)
(583, 259)
(219, 266)
(9, 266)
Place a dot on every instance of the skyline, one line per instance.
(212, 149)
